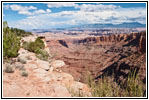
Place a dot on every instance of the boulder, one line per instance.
(22, 58)
(42, 64)
(57, 64)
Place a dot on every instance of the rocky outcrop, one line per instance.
(62, 42)
(142, 43)
(129, 39)
(100, 53)
(137, 40)
(57, 64)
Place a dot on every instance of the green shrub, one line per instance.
(24, 73)
(34, 46)
(39, 43)
(20, 32)
(9, 68)
(11, 40)
(43, 55)
(11, 43)
(25, 45)
(37, 47)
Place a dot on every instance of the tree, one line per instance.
(11, 42)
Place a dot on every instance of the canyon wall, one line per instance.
(121, 53)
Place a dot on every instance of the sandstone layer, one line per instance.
(101, 54)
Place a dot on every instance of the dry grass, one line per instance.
(107, 87)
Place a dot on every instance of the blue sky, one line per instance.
(66, 14)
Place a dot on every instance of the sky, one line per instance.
(66, 14)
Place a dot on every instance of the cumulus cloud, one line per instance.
(26, 10)
(84, 7)
(68, 18)
(57, 5)
(95, 8)
(21, 8)
(88, 14)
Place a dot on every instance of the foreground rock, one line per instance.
(57, 63)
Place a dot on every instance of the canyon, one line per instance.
(100, 55)
(72, 58)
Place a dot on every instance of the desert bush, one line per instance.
(11, 40)
(25, 45)
(9, 68)
(24, 73)
(37, 47)
(134, 87)
(43, 55)
(34, 46)
(75, 93)
(107, 87)
(40, 43)
(22, 60)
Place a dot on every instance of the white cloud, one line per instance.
(21, 8)
(99, 7)
(39, 11)
(84, 7)
(57, 5)
(88, 14)
(48, 10)
(25, 10)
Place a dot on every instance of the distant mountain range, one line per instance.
(123, 25)
(91, 26)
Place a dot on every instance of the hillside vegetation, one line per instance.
(11, 40)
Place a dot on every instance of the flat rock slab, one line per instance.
(40, 73)
(42, 64)
(60, 91)
(57, 63)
